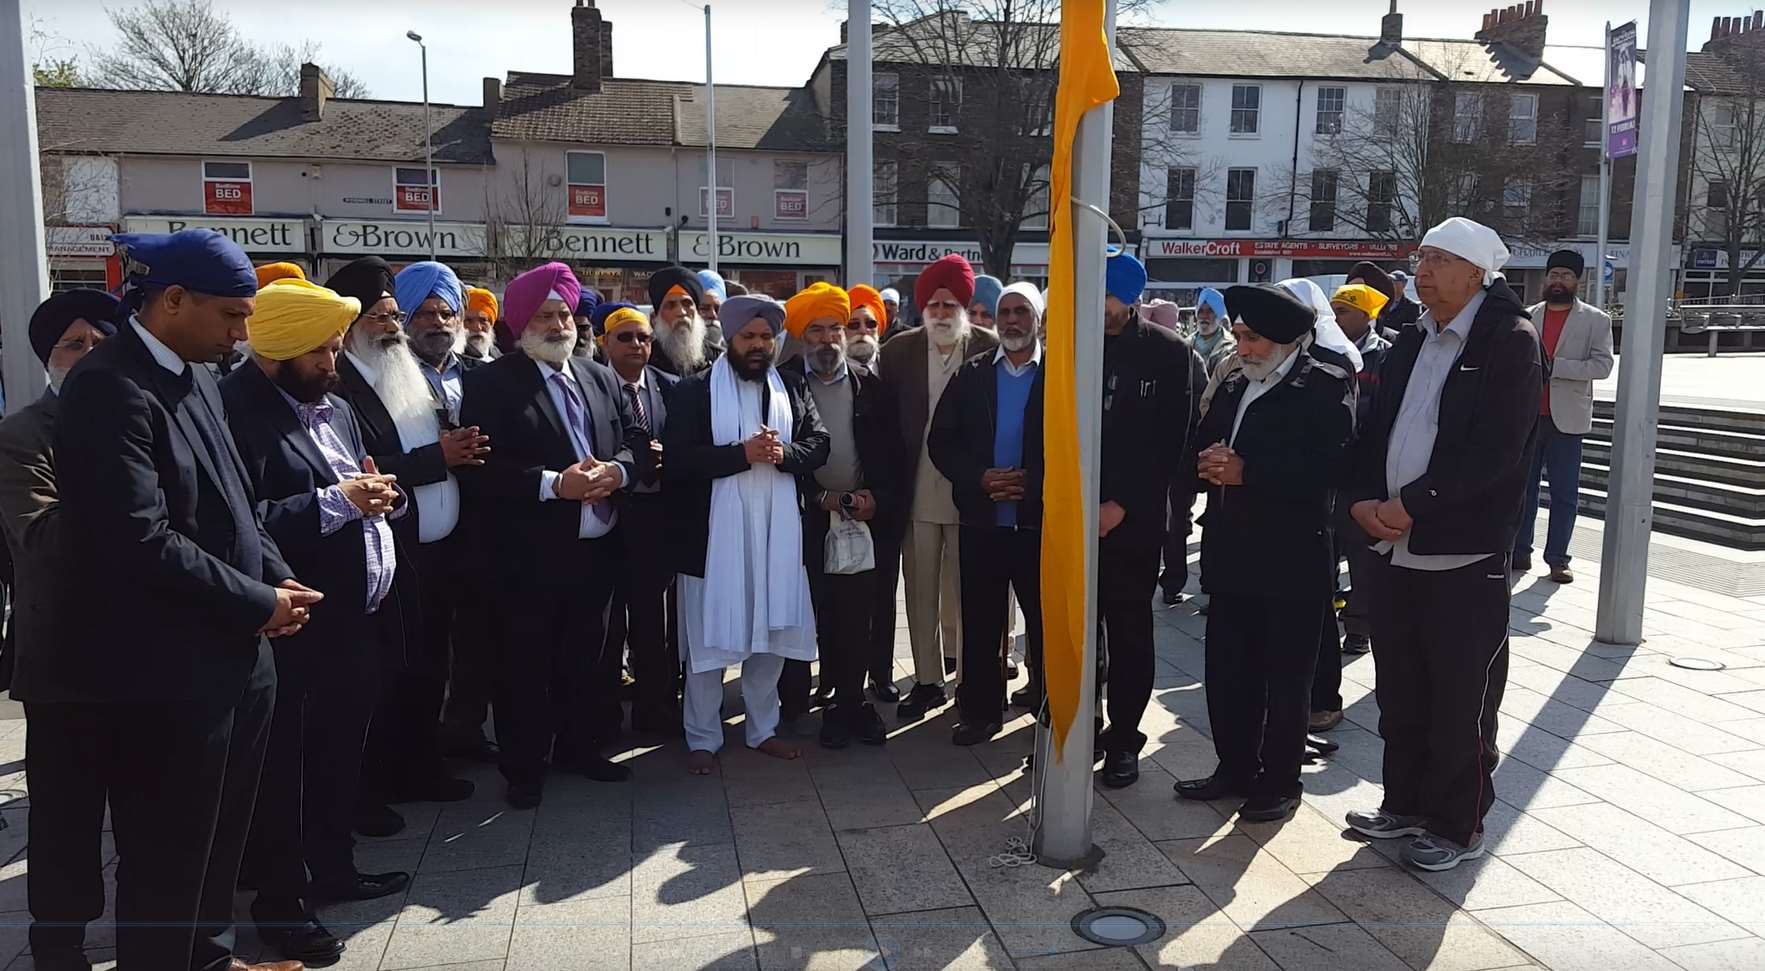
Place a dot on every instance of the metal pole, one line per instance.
(428, 153)
(860, 164)
(1063, 788)
(710, 148)
(1630, 501)
(1605, 175)
(24, 267)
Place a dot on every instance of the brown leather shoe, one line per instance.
(239, 965)
(1561, 574)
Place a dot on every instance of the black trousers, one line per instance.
(1260, 652)
(471, 674)
(553, 648)
(1126, 576)
(1353, 545)
(993, 561)
(325, 700)
(883, 615)
(640, 620)
(1441, 647)
(1326, 682)
(1179, 525)
(71, 754)
(843, 606)
(404, 743)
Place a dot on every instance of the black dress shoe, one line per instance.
(433, 788)
(302, 940)
(1321, 745)
(1121, 769)
(835, 733)
(598, 769)
(361, 886)
(66, 957)
(1215, 786)
(971, 733)
(949, 666)
(1029, 696)
(524, 795)
(920, 701)
(1268, 809)
(885, 690)
(1357, 644)
(1521, 564)
(378, 819)
(1174, 597)
(867, 726)
(467, 742)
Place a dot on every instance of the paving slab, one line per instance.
(1639, 844)
(1196, 935)
(1623, 898)
(1419, 927)
(957, 937)
(899, 869)
(1254, 890)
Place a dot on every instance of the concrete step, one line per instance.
(1687, 438)
(1710, 526)
(1700, 417)
(1690, 464)
(1698, 493)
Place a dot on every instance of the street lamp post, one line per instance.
(428, 141)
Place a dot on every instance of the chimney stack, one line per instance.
(591, 41)
(315, 89)
(1727, 32)
(493, 95)
(1520, 26)
(1391, 27)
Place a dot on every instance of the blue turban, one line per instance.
(987, 291)
(714, 284)
(1124, 277)
(1213, 299)
(196, 259)
(420, 281)
(587, 302)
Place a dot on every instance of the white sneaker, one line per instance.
(1435, 853)
(1381, 825)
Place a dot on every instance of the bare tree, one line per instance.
(187, 45)
(524, 221)
(53, 62)
(1728, 165)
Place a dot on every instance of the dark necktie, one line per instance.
(643, 419)
(573, 413)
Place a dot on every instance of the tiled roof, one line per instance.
(176, 123)
(1713, 73)
(974, 43)
(545, 108)
(1247, 53)
(771, 119)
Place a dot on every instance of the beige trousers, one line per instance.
(934, 598)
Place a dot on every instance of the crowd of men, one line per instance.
(363, 520)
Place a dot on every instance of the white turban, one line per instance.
(1028, 291)
(1326, 330)
(1472, 241)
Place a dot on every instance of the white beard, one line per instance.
(684, 343)
(1260, 370)
(946, 332)
(400, 386)
(1017, 345)
(477, 345)
(459, 342)
(534, 344)
(862, 349)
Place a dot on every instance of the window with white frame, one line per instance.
(1724, 124)
(1387, 109)
(1381, 200)
(946, 103)
(1323, 200)
(884, 189)
(1467, 116)
(1593, 131)
(943, 203)
(725, 191)
(1246, 109)
(790, 189)
(1716, 209)
(1240, 198)
(1523, 119)
(1331, 103)
(586, 174)
(226, 188)
(412, 192)
(1185, 109)
(1179, 199)
(1587, 215)
(1035, 207)
(1516, 197)
(885, 101)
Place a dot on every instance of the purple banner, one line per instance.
(1622, 96)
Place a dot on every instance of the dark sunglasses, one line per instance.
(629, 336)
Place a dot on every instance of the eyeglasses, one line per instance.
(634, 337)
(1435, 258)
(433, 316)
(78, 345)
(393, 317)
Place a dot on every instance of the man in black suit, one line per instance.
(66, 884)
(640, 617)
(327, 509)
(402, 423)
(156, 493)
(564, 446)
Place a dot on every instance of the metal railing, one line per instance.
(1718, 315)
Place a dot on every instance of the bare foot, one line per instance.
(778, 748)
(700, 763)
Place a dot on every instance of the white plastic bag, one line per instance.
(849, 548)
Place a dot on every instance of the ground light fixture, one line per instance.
(1118, 926)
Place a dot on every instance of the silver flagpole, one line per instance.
(860, 167)
(1605, 175)
(24, 264)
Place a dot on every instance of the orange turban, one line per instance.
(822, 300)
(271, 272)
(864, 295)
(478, 298)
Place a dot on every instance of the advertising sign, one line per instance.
(589, 201)
(413, 198)
(220, 198)
(1621, 95)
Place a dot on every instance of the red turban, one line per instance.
(524, 294)
(950, 273)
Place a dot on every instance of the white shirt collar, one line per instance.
(642, 382)
(546, 371)
(1035, 355)
(166, 357)
(369, 374)
(1281, 370)
(1461, 324)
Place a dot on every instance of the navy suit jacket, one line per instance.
(171, 523)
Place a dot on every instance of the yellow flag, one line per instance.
(1087, 79)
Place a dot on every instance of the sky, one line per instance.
(776, 42)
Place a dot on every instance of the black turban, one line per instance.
(1569, 260)
(57, 314)
(368, 279)
(1272, 311)
(668, 278)
(1373, 276)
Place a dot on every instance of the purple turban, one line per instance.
(525, 293)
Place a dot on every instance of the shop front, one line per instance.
(1178, 269)
(83, 256)
(263, 239)
(777, 264)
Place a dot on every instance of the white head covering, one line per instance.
(1472, 241)
(890, 295)
(1329, 333)
(1028, 291)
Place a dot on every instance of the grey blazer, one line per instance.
(1584, 355)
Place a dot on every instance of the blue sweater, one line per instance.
(1014, 397)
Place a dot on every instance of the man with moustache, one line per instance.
(1212, 343)
(716, 291)
(740, 438)
(326, 507)
(860, 481)
(891, 299)
(402, 415)
(864, 346)
(479, 320)
(916, 368)
(987, 439)
(987, 290)
(585, 342)
(565, 444)
(684, 344)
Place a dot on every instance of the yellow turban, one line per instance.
(864, 295)
(621, 317)
(478, 298)
(271, 272)
(295, 316)
(822, 300)
(1362, 298)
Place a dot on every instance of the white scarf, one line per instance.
(756, 589)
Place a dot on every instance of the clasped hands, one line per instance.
(588, 481)
(464, 446)
(1385, 520)
(1219, 465)
(372, 493)
(294, 601)
(1003, 485)
(764, 448)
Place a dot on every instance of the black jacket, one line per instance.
(1152, 384)
(287, 471)
(1469, 499)
(1400, 313)
(1269, 536)
(37, 538)
(173, 521)
(961, 441)
(878, 438)
(691, 462)
(508, 401)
